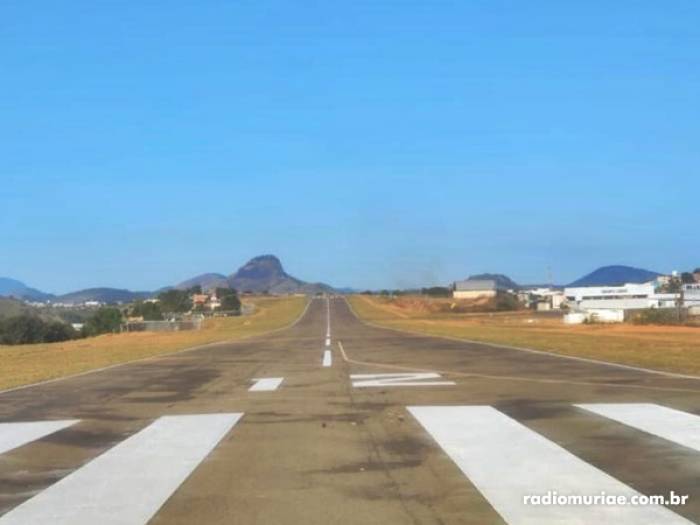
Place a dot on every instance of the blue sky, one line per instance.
(366, 143)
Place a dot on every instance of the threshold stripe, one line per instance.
(674, 425)
(13, 435)
(506, 461)
(130, 482)
(266, 384)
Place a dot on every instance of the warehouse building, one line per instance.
(476, 288)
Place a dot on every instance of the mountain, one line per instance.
(615, 276)
(501, 280)
(13, 288)
(103, 295)
(207, 281)
(266, 274)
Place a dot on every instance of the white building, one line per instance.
(625, 297)
(609, 303)
(691, 294)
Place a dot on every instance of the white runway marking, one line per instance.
(13, 435)
(507, 461)
(266, 384)
(328, 322)
(128, 484)
(327, 358)
(673, 425)
(402, 379)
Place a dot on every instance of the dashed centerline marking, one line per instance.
(13, 435)
(667, 423)
(130, 482)
(327, 358)
(507, 461)
(266, 384)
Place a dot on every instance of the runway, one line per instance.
(335, 421)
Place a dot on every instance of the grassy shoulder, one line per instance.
(669, 348)
(25, 364)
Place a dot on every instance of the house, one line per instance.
(476, 288)
(200, 299)
(214, 302)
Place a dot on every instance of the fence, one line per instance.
(164, 326)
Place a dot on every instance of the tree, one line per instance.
(229, 300)
(150, 311)
(105, 320)
(28, 329)
(687, 278)
(436, 291)
(176, 301)
(57, 331)
(506, 301)
(22, 329)
(673, 286)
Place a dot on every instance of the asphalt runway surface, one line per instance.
(335, 421)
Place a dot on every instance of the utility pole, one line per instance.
(678, 279)
(681, 299)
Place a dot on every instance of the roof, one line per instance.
(469, 285)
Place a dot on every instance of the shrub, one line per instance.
(176, 301)
(57, 331)
(656, 316)
(105, 320)
(28, 329)
(506, 301)
(437, 291)
(150, 311)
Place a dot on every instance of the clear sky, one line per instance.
(366, 143)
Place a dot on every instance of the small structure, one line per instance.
(546, 299)
(200, 299)
(691, 295)
(476, 288)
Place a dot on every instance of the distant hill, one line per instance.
(501, 280)
(13, 288)
(103, 295)
(207, 281)
(266, 274)
(615, 276)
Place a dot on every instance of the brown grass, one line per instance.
(670, 348)
(25, 364)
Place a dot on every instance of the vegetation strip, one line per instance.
(30, 364)
(673, 349)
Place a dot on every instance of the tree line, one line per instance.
(30, 328)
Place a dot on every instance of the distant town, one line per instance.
(675, 296)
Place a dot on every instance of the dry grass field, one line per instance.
(670, 348)
(25, 364)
